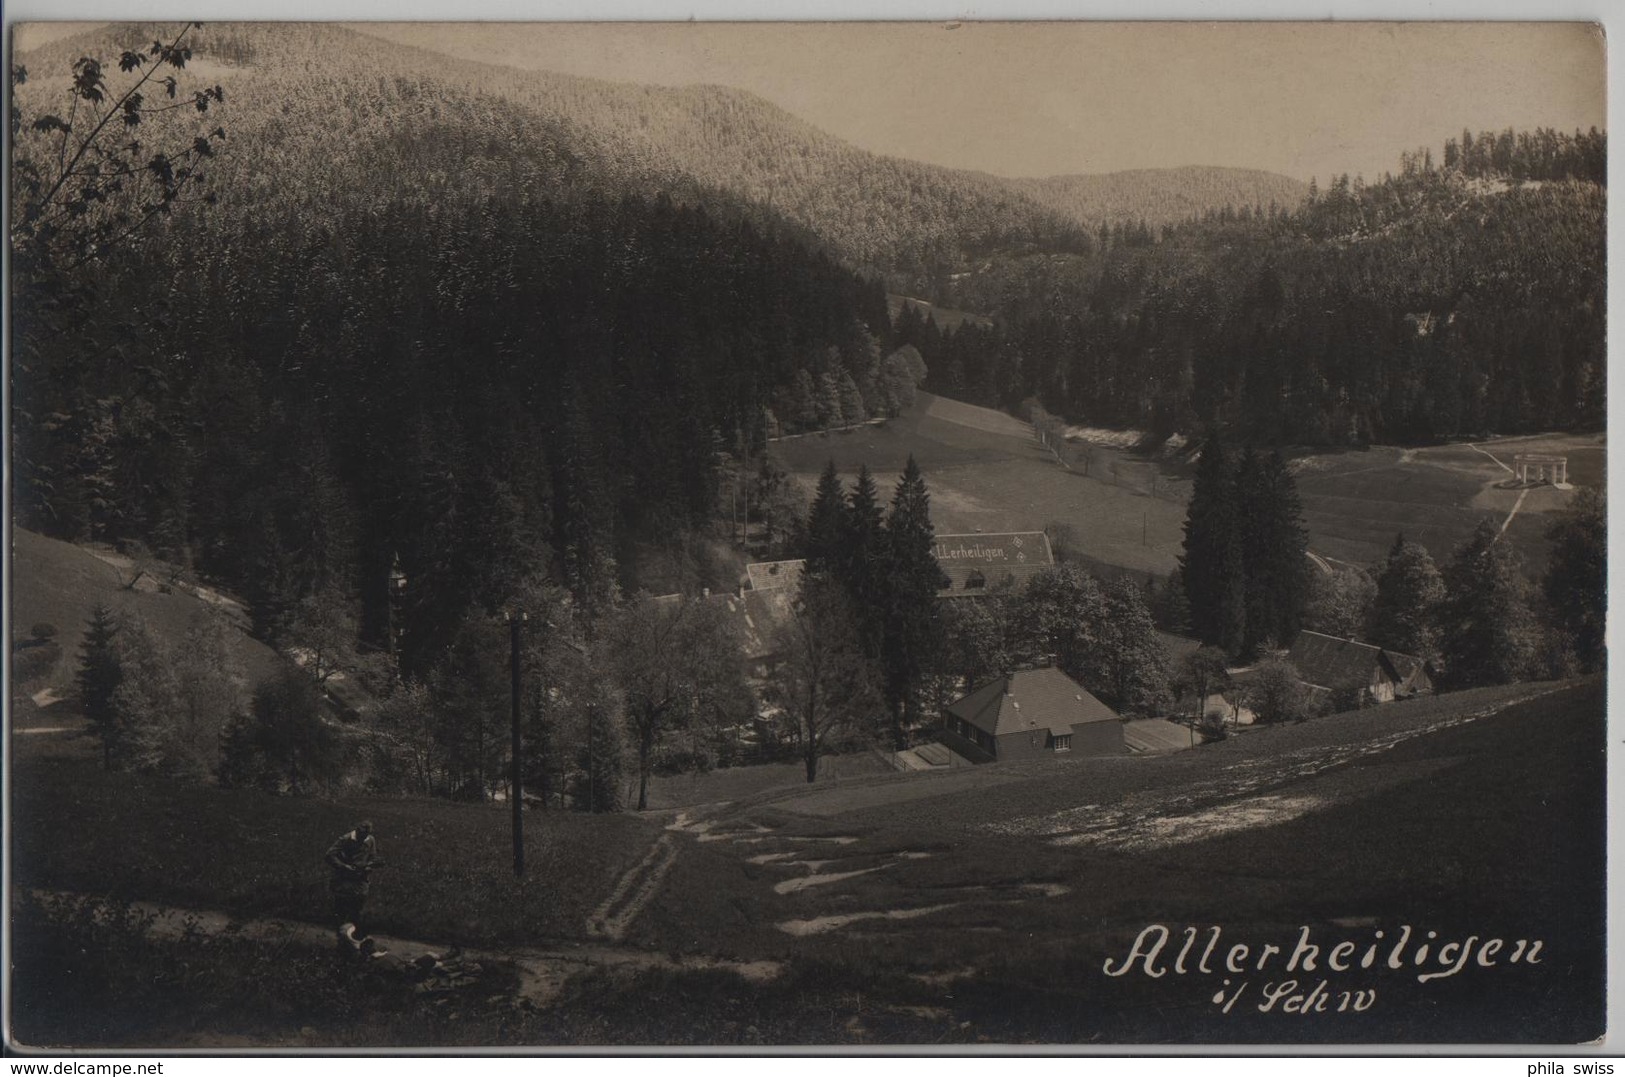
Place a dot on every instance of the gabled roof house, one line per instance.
(1033, 714)
(1328, 663)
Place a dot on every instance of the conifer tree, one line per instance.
(99, 677)
(912, 630)
(828, 401)
(863, 563)
(1410, 592)
(1211, 568)
(802, 409)
(826, 522)
(1275, 565)
(852, 410)
(1489, 634)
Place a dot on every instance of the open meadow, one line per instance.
(986, 472)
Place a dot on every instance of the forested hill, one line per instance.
(1162, 196)
(328, 107)
(1438, 302)
(420, 325)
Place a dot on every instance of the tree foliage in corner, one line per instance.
(91, 170)
(1576, 582)
(1488, 631)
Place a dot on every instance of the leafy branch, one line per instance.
(102, 188)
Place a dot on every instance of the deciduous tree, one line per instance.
(825, 681)
(1488, 632)
(1576, 578)
(1410, 593)
(674, 661)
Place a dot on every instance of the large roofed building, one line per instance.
(774, 575)
(975, 564)
(1329, 663)
(1035, 713)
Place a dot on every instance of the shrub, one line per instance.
(282, 745)
(33, 660)
(1276, 694)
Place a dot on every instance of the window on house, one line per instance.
(975, 581)
(1063, 743)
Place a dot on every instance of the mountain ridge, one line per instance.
(909, 220)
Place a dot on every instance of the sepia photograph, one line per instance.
(839, 535)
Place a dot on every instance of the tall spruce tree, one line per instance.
(863, 563)
(1410, 592)
(912, 629)
(826, 522)
(1275, 565)
(99, 677)
(1211, 568)
(1489, 634)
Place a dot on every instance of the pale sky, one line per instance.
(1038, 99)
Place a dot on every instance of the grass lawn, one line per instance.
(737, 783)
(448, 875)
(1460, 831)
(60, 583)
(986, 474)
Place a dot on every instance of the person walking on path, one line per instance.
(352, 858)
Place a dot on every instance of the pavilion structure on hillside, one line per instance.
(1533, 468)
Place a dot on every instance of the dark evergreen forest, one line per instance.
(479, 389)
(1437, 302)
(425, 322)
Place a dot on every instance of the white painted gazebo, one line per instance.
(1532, 468)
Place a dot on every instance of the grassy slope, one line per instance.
(1496, 809)
(1354, 502)
(736, 783)
(61, 583)
(448, 875)
(984, 480)
(1493, 827)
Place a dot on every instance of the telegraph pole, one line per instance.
(516, 621)
(592, 758)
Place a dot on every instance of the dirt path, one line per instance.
(1493, 458)
(1515, 507)
(543, 972)
(633, 892)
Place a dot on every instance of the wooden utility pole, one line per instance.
(516, 620)
(592, 758)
